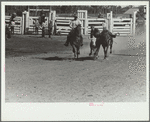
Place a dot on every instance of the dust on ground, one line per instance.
(43, 70)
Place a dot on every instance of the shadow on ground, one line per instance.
(56, 58)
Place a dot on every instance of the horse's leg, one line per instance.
(74, 51)
(78, 52)
(105, 51)
(96, 52)
(90, 50)
(111, 46)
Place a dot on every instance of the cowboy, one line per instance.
(73, 25)
(12, 26)
(36, 26)
(100, 15)
(7, 31)
(12, 17)
(43, 29)
(50, 26)
(105, 30)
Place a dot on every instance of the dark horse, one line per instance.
(75, 39)
(105, 38)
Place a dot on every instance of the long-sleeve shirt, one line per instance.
(75, 23)
(12, 23)
(36, 24)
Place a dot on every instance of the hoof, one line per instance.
(90, 54)
(105, 58)
(110, 52)
(96, 57)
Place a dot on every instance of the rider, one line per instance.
(107, 31)
(73, 25)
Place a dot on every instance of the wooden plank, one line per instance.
(123, 19)
(89, 30)
(89, 27)
(63, 23)
(100, 19)
(124, 27)
(64, 33)
(123, 23)
(121, 30)
(64, 27)
(67, 31)
(69, 18)
(95, 23)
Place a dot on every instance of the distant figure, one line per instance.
(73, 25)
(50, 26)
(36, 26)
(43, 29)
(7, 31)
(55, 28)
(100, 15)
(12, 26)
(12, 17)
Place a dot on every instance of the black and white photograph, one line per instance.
(75, 53)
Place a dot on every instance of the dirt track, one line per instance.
(45, 71)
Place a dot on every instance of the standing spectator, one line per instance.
(12, 26)
(36, 26)
(43, 29)
(100, 15)
(55, 28)
(50, 26)
(7, 31)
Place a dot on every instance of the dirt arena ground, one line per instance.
(43, 70)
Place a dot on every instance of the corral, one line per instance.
(125, 26)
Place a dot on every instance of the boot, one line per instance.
(66, 44)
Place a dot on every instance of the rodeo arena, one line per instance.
(78, 58)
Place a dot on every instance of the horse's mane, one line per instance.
(96, 33)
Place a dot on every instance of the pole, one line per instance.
(134, 22)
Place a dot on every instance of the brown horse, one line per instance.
(75, 39)
(105, 38)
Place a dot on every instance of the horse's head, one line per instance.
(93, 42)
(96, 32)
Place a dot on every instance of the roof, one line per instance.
(131, 10)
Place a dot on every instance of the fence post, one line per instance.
(25, 21)
(22, 29)
(134, 22)
(111, 21)
(82, 15)
(86, 23)
(131, 28)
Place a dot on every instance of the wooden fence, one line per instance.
(18, 24)
(125, 26)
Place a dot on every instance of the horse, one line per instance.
(105, 38)
(75, 39)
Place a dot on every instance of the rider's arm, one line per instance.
(70, 25)
(79, 22)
